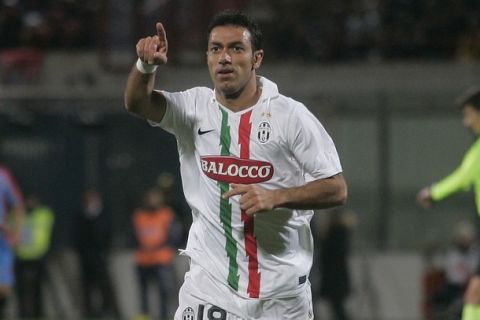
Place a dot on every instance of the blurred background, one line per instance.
(381, 75)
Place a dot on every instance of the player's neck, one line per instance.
(244, 99)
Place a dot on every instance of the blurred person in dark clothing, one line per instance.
(334, 270)
(93, 245)
(158, 234)
(31, 253)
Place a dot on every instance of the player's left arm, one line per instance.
(316, 194)
(315, 153)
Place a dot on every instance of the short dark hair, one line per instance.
(240, 19)
(470, 97)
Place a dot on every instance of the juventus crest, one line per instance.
(264, 131)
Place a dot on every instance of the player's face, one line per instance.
(471, 119)
(231, 61)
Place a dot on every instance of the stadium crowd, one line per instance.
(323, 31)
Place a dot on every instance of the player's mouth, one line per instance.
(225, 72)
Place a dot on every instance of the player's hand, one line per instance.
(153, 50)
(253, 198)
(424, 198)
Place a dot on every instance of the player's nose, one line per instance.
(225, 57)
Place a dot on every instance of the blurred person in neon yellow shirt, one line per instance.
(464, 178)
(30, 264)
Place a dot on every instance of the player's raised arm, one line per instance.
(140, 98)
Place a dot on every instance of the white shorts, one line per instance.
(202, 298)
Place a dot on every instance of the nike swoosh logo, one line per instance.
(200, 132)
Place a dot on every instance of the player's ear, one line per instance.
(257, 59)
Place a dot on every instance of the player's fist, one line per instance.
(153, 50)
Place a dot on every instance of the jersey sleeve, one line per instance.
(462, 178)
(312, 146)
(180, 113)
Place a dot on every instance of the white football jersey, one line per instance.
(277, 143)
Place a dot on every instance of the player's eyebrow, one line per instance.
(230, 44)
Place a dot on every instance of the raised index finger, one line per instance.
(161, 31)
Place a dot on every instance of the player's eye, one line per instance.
(214, 49)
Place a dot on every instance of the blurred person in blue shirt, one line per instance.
(11, 200)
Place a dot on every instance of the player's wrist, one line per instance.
(280, 198)
(145, 68)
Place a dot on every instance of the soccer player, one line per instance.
(466, 176)
(11, 200)
(254, 163)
